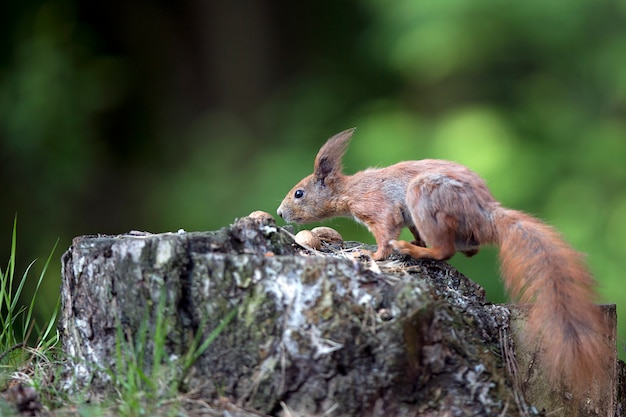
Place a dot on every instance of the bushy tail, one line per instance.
(541, 269)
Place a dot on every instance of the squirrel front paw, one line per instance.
(379, 255)
(382, 253)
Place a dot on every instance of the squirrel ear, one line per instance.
(328, 159)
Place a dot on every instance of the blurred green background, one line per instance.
(157, 116)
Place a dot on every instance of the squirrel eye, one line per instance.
(299, 194)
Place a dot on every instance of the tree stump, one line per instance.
(255, 323)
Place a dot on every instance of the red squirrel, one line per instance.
(448, 207)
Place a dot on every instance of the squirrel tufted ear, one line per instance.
(328, 159)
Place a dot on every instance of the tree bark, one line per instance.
(295, 332)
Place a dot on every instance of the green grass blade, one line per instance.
(11, 267)
(207, 342)
(158, 346)
(45, 341)
(16, 296)
(6, 292)
(29, 313)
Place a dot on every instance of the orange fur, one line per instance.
(449, 207)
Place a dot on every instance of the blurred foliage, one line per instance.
(158, 116)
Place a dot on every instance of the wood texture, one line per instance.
(310, 334)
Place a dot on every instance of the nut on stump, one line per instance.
(261, 215)
(309, 239)
(327, 234)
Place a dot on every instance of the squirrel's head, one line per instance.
(318, 196)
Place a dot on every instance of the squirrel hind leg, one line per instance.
(420, 252)
(418, 238)
(439, 234)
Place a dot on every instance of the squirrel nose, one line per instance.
(280, 211)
